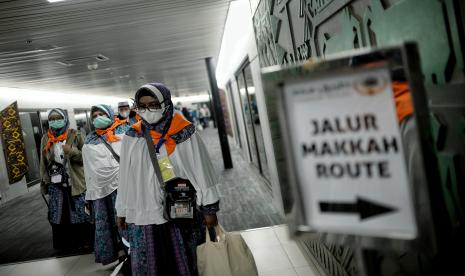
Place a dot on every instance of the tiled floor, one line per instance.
(245, 200)
(274, 252)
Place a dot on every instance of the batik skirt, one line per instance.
(107, 238)
(71, 226)
(166, 249)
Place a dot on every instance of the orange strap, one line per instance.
(110, 131)
(52, 139)
(403, 99)
(177, 124)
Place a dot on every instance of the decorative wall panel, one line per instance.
(13, 143)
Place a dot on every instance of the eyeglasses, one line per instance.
(153, 106)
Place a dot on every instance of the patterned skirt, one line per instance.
(64, 211)
(166, 249)
(71, 228)
(107, 239)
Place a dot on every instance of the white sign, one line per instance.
(348, 154)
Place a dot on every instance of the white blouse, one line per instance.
(140, 197)
(101, 169)
(59, 156)
(58, 152)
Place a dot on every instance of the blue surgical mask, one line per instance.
(56, 124)
(102, 122)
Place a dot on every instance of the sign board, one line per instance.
(347, 149)
(13, 143)
(341, 138)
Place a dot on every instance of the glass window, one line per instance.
(247, 119)
(82, 121)
(30, 130)
(233, 111)
(256, 122)
(252, 120)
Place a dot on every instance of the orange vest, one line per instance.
(110, 132)
(177, 124)
(52, 139)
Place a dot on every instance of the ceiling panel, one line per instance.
(56, 46)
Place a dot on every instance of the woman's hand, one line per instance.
(210, 220)
(121, 222)
(67, 148)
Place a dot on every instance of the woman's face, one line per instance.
(148, 102)
(97, 113)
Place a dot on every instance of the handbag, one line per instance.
(60, 177)
(180, 200)
(229, 255)
(179, 194)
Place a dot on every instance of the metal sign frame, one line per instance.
(274, 79)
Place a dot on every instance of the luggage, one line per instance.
(229, 255)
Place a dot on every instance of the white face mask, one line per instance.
(124, 114)
(152, 117)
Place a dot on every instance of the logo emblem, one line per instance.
(370, 85)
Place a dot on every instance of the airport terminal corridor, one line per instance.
(245, 204)
(232, 137)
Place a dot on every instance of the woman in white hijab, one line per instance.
(163, 233)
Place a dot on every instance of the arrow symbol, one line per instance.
(363, 207)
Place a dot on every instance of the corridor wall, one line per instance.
(291, 31)
(238, 46)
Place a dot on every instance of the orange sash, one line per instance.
(52, 139)
(403, 99)
(177, 124)
(109, 132)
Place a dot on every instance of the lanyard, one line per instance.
(162, 139)
(159, 144)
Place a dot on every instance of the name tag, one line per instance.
(182, 210)
(57, 178)
(166, 168)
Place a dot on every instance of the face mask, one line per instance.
(152, 117)
(102, 122)
(57, 124)
(124, 114)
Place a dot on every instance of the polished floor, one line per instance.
(275, 255)
(25, 230)
(246, 201)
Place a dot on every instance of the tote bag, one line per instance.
(229, 255)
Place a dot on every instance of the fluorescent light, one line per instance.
(237, 38)
(53, 1)
(45, 99)
(191, 99)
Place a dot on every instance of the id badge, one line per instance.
(167, 170)
(182, 210)
(57, 178)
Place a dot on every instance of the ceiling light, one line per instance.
(92, 66)
(53, 1)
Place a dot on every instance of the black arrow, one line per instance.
(363, 207)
